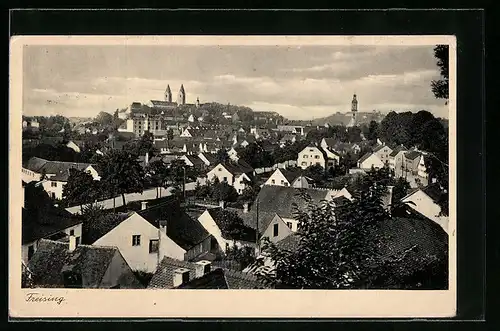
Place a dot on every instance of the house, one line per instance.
(396, 158)
(207, 159)
(411, 162)
(200, 275)
(328, 143)
(425, 201)
(370, 160)
(422, 169)
(42, 220)
(289, 177)
(288, 139)
(192, 161)
(56, 173)
(233, 154)
(236, 174)
(146, 236)
(295, 129)
(73, 146)
(383, 152)
(312, 155)
(67, 265)
(332, 155)
(214, 220)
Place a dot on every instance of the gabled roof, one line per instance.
(412, 155)
(396, 150)
(281, 199)
(182, 229)
(58, 168)
(239, 167)
(365, 157)
(52, 257)
(218, 278)
(36, 226)
(380, 147)
(106, 223)
(161, 103)
(194, 159)
(247, 233)
(212, 159)
(291, 173)
(331, 142)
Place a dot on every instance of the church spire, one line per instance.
(181, 98)
(168, 94)
(354, 110)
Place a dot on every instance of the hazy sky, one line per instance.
(298, 82)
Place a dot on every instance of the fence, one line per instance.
(281, 165)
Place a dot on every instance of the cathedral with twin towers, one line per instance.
(181, 96)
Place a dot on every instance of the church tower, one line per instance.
(354, 110)
(181, 98)
(168, 94)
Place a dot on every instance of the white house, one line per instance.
(288, 177)
(73, 146)
(141, 243)
(370, 160)
(396, 158)
(312, 155)
(56, 173)
(212, 220)
(233, 154)
(383, 152)
(423, 200)
(237, 175)
(422, 169)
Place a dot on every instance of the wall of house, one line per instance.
(383, 154)
(283, 229)
(310, 156)
(54, 191)
(29, 176)
(119, 274)
(372, 160)
(138, 257)
(239, 183)
(220, 172)
(277, 179)
(301, 182)
(427, 207)
(203, 247)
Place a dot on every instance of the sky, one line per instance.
(298, 82)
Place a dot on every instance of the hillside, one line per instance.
(344, 118)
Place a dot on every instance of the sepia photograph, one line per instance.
(273, 164)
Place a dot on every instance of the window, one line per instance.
(227, 246)
(289, 224)
(317, 163)
(136, 240)
(154, 245)
(71, 232)
(273, 181)
(53, 184)
(220, 169)
(311, 150)
(53, 195)
(77, 241)
(275, 230)
(224, 179)
(282, 182)
(316, 156)
(304, 163)
(305, 156)
(31, 251)
(286, 184)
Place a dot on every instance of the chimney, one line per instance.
(72, 243)
(221, 204)
(202, 267)
(388, 198)
(245, 207)
(181, 276)
(144, 205)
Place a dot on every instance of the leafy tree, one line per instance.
(244, 256)
(80, 189)
(317, 173)
(222, 156)
(144, 145)
(232, 225)
(440, 87)
(122, 173)
(354, 134)
(372, 131)
(249, 194)
(401, 189)
(254, 155)
(158, 173)
(224, 192)
(104, 119)
(340, 247)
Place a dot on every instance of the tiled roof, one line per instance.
(365, 157)
(281, 199)
(433, 191)
(218, 278)
(291, 174)
(212, 159)
(52, 257)
(240, 167)
(160, 103)
(289, 243)
(412, 155)
(247, 233)
(396, 150)
(106, 223)
(331, 142)
(58, 168)
(182, 229)
(380, 147)
(194, 159)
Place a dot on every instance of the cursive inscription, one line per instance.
(38, 297)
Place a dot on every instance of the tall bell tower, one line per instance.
(181, 98)
(354, 110)
(168, 94)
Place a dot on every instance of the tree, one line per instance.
(231, 224)
(144, 145)
(401, 189)
(224, 192)
(157, 173)
(317, 173)
(80, 188)
(372, 131)
(342, 247)
(121, 173)
(170, 135)
(104, 119)
(440, 87)
(254, 155)
(249, 194)
(222, 156)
